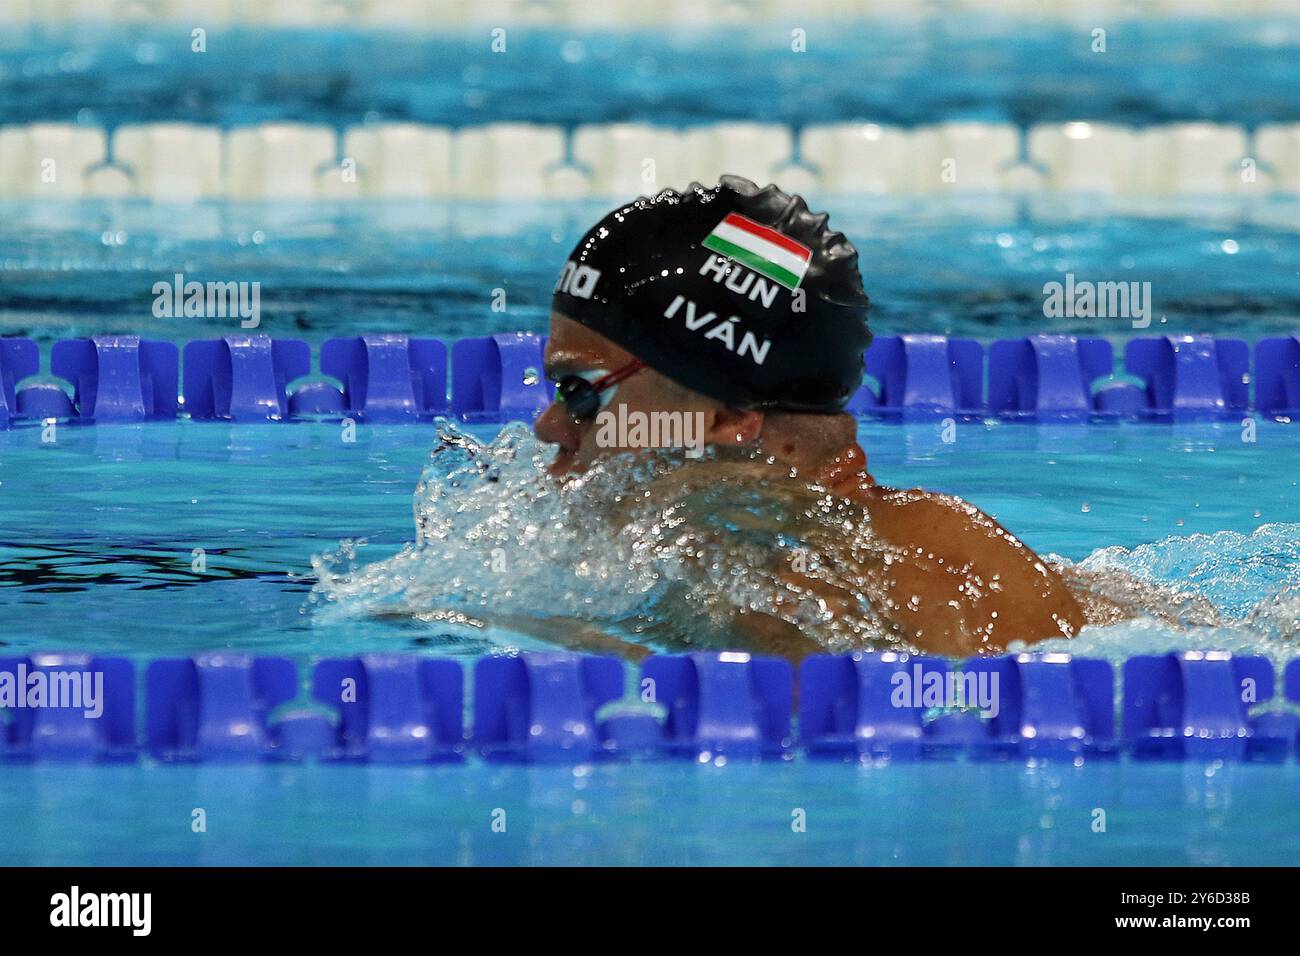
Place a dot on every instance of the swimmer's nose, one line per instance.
(557, 427)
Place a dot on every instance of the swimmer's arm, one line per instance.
(761, 633)
(754, 632)
(571, 634)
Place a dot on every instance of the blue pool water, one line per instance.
(898, 70)
(975, 267)
(654, 814)
(96, 553)
(98, 532)
(98, 529)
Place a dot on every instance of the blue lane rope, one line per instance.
(497, 378)
(570, 708)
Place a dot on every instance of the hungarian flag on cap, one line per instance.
(764, 250)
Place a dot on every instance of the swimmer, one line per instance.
(739, 310)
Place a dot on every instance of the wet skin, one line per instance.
(962, 584)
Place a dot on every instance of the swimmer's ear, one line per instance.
(734, 426)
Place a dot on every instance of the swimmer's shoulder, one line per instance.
(1026, 596)
(945, 524)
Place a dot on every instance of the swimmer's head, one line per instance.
(735, 292)
(728, 304)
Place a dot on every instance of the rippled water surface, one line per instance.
(98, 539)
(974, 267)
(169, 538)
(667, 814)
(954, 65)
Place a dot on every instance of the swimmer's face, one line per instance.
(574, 349)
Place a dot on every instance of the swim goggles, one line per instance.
(581, 392)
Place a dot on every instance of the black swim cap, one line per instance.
(733, 291)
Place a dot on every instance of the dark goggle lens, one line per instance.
(578, 395)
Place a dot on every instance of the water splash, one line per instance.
(1235, 571)
(1224, 591)
(658, 551)
(655, 548)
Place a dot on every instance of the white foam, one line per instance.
(496, 537)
